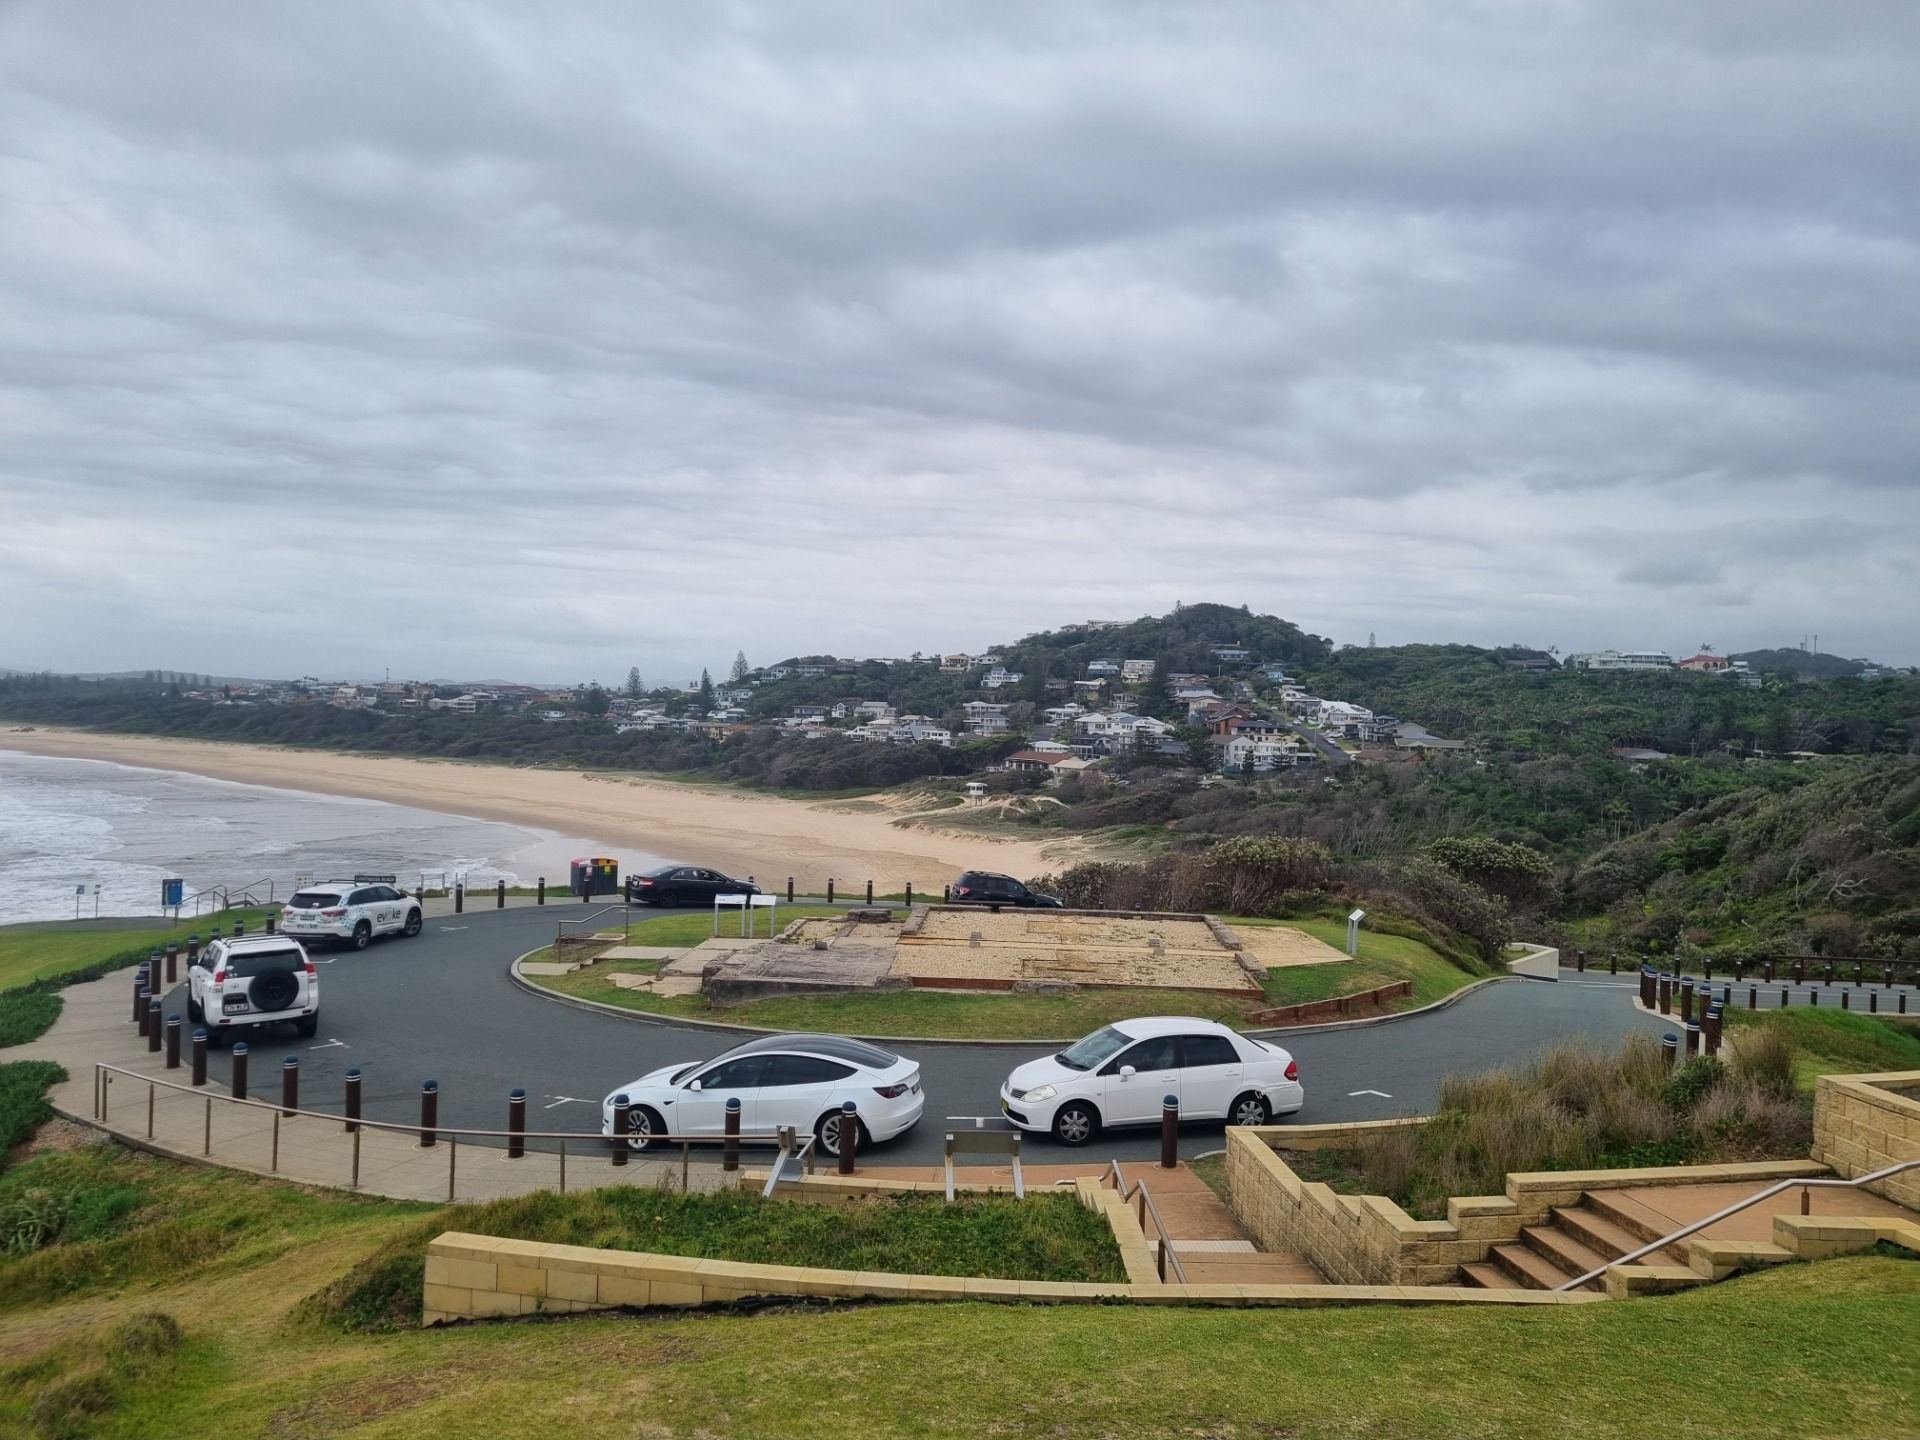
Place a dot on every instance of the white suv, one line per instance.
(252, 980)
(354, 913)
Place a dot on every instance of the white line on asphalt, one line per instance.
(443, 929)
(559, 1100)
(1381, 1093)
(331, 1044)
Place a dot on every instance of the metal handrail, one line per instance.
(1146, 1207)
(1734, 1209)
(581, 926)
(768, 1137)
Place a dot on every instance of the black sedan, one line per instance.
(684, 885)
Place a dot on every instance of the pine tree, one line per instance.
(633, 682)
(706, 690)
(740, 667)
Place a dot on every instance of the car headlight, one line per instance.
(1038, 1093)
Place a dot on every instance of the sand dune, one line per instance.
(733, 830)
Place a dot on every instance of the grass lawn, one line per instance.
(1837, 1042)
(986, 1015)
(38, 952)
(1822, 1350)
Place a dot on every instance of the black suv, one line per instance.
(983, 887)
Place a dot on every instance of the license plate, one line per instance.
(234, 1004)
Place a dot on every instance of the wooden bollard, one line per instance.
(173, 962)
(353, 1099)
(789, 889)
(459, 899)
(140, 1001)
(500, 895)
(829, 890)
(869, 892)
(910, 906)
(1169, 1131)
(289, 1084)
(200, 1055)
(540, 892)
(429, 1113)
(730, 1144)
(1669, 1049)
(173, 1042)
(1686, 1000)
(240, 1070)
(153, 1023)
(618, 1139)
(516, 1123)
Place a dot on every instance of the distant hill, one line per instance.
(1806, 664)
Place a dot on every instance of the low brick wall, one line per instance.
(1863, 1123)
(1332, 1005)
(1369, 1240)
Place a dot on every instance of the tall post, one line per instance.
(239, 929)
(540, 892)
(240, 1070)
(1712, 1030)
(173, 1042)
(1767, 972)
(1786, 996)
(153, 1024)
(910, 901)
(200, 1055)
(140, 1001)
(1169, 1131)
(849, 1132)
(429, 1112)
(1580, 962)
(353, 1100)
(1666, 993)
(1843, 1001)
(173, 962)
(1686, 1000)
(289, 1084)
(500, 895)
(516, 1123)
(273, 921)
(829, 889)
(156, 963)
(869, 892)
(1669, 1049)
(1753, 997)
(789, 889)
(193, 949)
(730, 1146)
(618, 1139)
(459, 897)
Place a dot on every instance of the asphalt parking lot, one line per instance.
(442, 1006)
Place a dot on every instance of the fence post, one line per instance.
(540, 892)
(153, 1024)
(200, 1055)
(1169, 1131)
(516, 1123)
(429, 1112)
(289, 1084)
(239, 1069)
(353, 1101)
(618, 1139)
(173, 1042)
(849, 1130)
(730, 1147)
(1669, 1049)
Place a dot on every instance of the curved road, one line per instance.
(443, 1006)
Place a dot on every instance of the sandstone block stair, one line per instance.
(1574, 1240)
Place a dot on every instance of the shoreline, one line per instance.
(767, 836)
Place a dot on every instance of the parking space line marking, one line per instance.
(330, 1045)
(559, 1100)
(1381, 1093)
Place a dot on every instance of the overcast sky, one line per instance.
(536, 341)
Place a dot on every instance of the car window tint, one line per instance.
(1198, 1050)
(360, 897)
(803, 1070)
(314, 900)
(742, 1073)
(258, 962)
(1155, 1054)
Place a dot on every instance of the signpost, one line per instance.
(172, 893)
(1353, 932)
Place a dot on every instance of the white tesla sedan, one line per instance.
(798, 1080)
(1122, 1074)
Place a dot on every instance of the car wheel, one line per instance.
(827, 1132)
(1249, 1109)
(194, 1012)
(362, 935)
(412, 927)
(218, 1035)
(1075, 1123)
(308, 1025)
(643, 1123)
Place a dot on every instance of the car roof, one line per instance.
(259, 942)
(985, 874)
(335, 885)
(1144, 1027)
(833, 1047)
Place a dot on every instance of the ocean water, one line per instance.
(69, 823)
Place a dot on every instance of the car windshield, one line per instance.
(313, 900)
(258, 962)
(1096, 1049)
(683, 1072)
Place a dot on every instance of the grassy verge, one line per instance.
(230, 1326)
(989, 1015)
(31, 954)
(1834, 1042)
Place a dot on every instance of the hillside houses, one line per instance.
(1000, 676)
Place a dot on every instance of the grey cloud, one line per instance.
(557, 341)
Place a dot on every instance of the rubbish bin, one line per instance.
(596, 875)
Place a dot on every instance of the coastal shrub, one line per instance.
(26, 1015)
(1576, 1108)
(1251, 874)
(71, 1409)
(23, 1099)
(1761, 1056)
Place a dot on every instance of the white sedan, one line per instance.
(1121, 1076)
(797, 1080)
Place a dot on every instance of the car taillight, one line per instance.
(310, 969)
(1293, 1069)
(891, 1092)
(643, 882)
(333, 914)
(219, 977)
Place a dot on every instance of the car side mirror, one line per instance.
(1127, 1072)
(693, 1085)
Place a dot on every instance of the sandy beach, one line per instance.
(762, 835)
